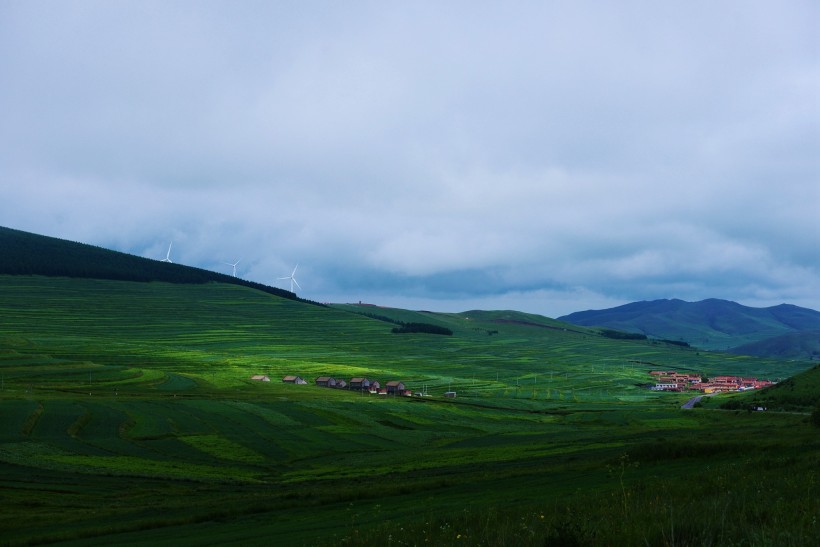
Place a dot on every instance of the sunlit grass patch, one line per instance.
(222, 448)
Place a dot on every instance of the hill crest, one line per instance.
(25, 253)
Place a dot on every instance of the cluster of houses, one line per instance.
(668, 380)
(394, 387)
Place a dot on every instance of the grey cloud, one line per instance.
(545, 153)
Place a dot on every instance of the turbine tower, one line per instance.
(292, 279)
(168, 254)
(234, 265)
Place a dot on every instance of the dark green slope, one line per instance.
(709, 324)
(800, 392)
(24, 253)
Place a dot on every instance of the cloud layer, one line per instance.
(544, 156)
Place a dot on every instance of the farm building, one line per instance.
(394, 387)
(359, 383)
(260, 378)
(340, 384)
(294, 380)
(326, 381)
(450, 394)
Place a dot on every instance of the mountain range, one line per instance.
(785, 330)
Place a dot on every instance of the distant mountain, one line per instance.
(24, 253)
(708, 324)
(795, 345)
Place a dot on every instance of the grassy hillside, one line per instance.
(709, 324)
(25, 253)
(133, 402)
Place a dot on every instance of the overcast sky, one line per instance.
(548, 156)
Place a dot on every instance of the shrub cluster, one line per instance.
(425, 328)
(676, 343)
(620, 335)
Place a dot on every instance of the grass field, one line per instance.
(127, 416)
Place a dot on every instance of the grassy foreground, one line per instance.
(127, 416)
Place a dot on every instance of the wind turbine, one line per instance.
(292, 279)
(168, 255)
(234, 265)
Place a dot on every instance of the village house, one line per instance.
(260, 378)
(294, 380)
(326, 381)
(359, 384)
(394, 387)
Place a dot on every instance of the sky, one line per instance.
(547, 157)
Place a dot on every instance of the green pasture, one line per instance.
(127, 416)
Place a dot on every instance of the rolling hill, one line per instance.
(25, 253)
(709, 324)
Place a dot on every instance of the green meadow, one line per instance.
(128, 415)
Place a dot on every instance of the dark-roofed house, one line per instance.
(326, 381)
(359, 383)
(394, 387)
(294, 380)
